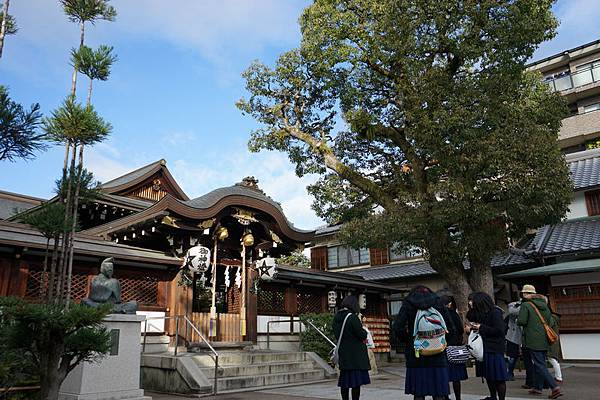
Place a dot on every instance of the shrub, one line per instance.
(311, 340)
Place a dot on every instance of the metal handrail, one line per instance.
(291, 321)
(321, 333)
(216, 359)
(190, 323)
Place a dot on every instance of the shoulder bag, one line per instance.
(333, 354)
(550, 334)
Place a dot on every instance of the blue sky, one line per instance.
(172, 93)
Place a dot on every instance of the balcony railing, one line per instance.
(577, 79)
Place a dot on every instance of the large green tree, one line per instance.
(424, 124)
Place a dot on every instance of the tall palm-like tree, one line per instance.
(8, 25)
(95, 64)
(82, 11)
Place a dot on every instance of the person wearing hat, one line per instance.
(535, 339)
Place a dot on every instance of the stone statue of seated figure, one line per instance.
(106, 289)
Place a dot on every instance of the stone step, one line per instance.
(247, 358)
(155, 344)
(258, 369)
(266, 380)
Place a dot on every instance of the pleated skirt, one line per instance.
(351, 378)
(427, 381)
(493, 367)
(457, 372)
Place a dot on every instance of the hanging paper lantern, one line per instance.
(331, 298)
(266, 268)
(248, 239)
(362, 301)
(197, 259)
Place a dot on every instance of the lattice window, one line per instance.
(592, 201)
(37, 283)
(309, 302)
(579, 306)
(271, 302)
(144, 290)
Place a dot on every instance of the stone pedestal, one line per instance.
(117, 375)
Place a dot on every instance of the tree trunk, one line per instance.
(74, 77)
(89, 96)
(481, 277)
(50, 379)
(458, 283)
(66, 232)
(74, 223)
(4, 25)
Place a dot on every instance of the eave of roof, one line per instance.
(16, 234)
(571, 267)
(288, 273)
(170, 203)
(585, 169)
(395, 271)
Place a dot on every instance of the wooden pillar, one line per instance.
(251, 309)
(291, 301)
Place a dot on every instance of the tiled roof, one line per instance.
(580, 235)
(327, 229)
(130, 176)
(13, 203)
(211, 198)
(394, 271)
(569, 237)
(585, 168)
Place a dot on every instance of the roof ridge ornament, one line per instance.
(250, 182)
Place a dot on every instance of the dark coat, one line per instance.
(455, 337)
(404, 324)
(352, 352)
(493, 330)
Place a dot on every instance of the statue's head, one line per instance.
(106, 268)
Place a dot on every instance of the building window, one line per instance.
(592, 202)
(586, 73)
(379, 256)
(412, 252)
(341, 256)
(318, 258)
(591, 107)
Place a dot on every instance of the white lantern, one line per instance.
(266, 268)
(362, 301)
(197, 259)
(331, 298)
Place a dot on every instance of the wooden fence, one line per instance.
(228, 327)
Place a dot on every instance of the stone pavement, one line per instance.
(581, 383)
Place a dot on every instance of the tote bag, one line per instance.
(475, 345)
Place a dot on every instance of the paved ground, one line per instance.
(581, 383)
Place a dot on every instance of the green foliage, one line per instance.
(423, 122)
(311, 340)
(592, 144)
(53, 339)
(95, 64)
(49, 219)
(76, 124)
(19, 137)
(11, 24)
(88, 186)
(295, 259)
(81, 11)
